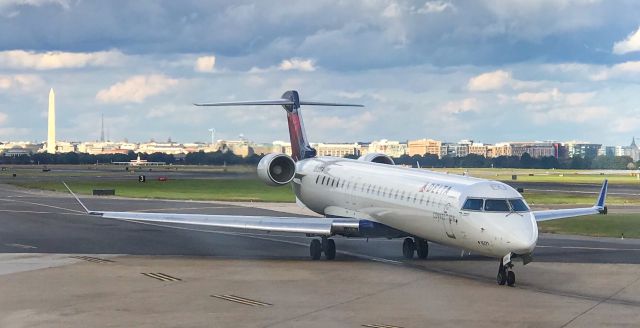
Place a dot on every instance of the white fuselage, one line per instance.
(422, 203)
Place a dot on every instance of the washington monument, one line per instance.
(51, 137)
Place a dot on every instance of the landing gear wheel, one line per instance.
(408, 248)
(315, 249)
(422, 248)
(511, 278)
(501, 279)
(329, 248)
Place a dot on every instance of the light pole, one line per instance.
(213, 133)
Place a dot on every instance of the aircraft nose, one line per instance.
(524, 239)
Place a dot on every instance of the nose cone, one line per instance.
(524, 238)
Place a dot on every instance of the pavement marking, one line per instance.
(373, 325)
(41, 212)
(23, 246)
(160, 276)
(241, 300)
(591, 248)
(92, 259)
(40, 204)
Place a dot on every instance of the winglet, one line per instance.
(600, 204)
(78, 199)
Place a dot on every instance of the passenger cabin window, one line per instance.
(496, 205)
(473, 204)
(518, 205)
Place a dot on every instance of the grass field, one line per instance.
(611, 225)
(196, 189)
(550, 176)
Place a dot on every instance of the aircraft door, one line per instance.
(450, 221)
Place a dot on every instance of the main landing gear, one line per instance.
(506, 274)
(327, 246)
(418, 245)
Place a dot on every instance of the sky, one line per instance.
(485, 70)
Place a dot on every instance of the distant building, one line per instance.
(582, 149)
(424, 146)
(501, 149)
(337, 149)
(387, 147)
(534, 149)
(450, 149)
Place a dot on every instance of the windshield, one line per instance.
(518, 205)
(473, 204)
(496, 205)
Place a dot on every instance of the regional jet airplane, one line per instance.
(371, 197)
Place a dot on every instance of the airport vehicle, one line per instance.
(371, 197)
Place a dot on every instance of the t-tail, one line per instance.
(290, 101)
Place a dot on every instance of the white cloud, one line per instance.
(630, 44)
(205, 64)
(630, 68)
(539, 97)
(136, 89)
(22, 82)
(3, 117)
(490, 81)
(20, 59)
(435, 7)
(35, 3)
(555, 96)
(392, 11)
(626, 124)
(306, 65)
(580, 114)
(461, 106)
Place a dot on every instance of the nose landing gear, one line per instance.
(506, 274)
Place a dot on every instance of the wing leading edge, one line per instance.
(598, 208)
(314, 226)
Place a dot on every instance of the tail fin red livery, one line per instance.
(290, 101)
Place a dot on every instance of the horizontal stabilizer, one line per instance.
(276, 102)
(251, 103)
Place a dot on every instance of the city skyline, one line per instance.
(557, 70)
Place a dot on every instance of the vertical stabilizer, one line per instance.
(300, 147)
(291, 103)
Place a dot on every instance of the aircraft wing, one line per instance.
(598, 208)
(315, 226)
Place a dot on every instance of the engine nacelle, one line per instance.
(377, 158)
(276, 169)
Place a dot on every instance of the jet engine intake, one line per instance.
(377, 158)
(276, 169)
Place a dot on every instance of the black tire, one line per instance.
(511, 278)
(408, 248)
(315, 249)
(329, 249)
(422, 248)
(502, 276)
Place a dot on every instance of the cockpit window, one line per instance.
(518, 205)
(473, 204)
(496, 205)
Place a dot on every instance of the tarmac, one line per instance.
(62, 268)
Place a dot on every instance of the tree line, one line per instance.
(427, 160)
